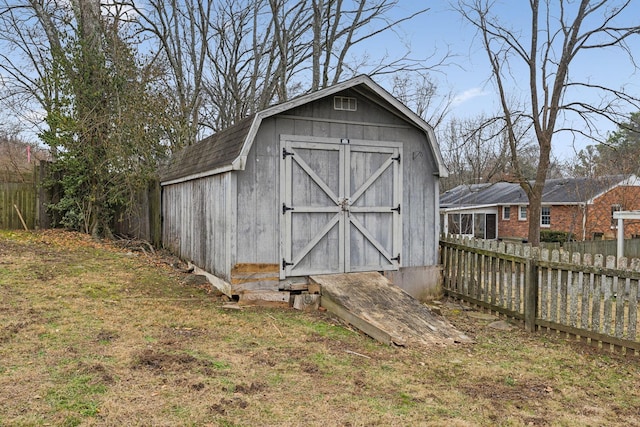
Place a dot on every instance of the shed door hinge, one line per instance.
(286, 208)
(396, 258)
(396, 209)
(285, 264)
(286, 153)
(397, 158)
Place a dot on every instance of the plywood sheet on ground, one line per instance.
(373, 304)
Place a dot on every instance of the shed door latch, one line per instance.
(344, 203)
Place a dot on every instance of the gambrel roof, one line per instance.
(228, 149)
(561, 191)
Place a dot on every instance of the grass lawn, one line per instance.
(92, 334)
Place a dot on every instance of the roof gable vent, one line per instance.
(345, 103)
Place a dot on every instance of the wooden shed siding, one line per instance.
(419, 235)
(259, 204)
(258, 221)
(198, 222)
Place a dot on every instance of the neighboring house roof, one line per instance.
(561, 191)
(483, 194)
(228, 149)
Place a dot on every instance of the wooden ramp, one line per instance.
(370, 302)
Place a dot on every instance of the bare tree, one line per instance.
(28, 73)
(559, 32)
(421, 93)
(180, 32)
(586, 163)
(339, 26)
(475, 151)
(231, 80)
(253, 53)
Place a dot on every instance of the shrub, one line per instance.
(551, 236)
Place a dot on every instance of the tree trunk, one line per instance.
(535, 198)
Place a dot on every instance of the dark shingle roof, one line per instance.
(483, 194)
(217, 150)
(562, 191)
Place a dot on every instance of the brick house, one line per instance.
(581, 206)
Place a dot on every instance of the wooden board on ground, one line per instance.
(265, 298)
(377, 307)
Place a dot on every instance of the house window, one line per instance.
(522, 213)
(545, 216)
(345, 103)
(479, 225)
(615, 208)
(506, 212)
(466, 223)
(461, 224)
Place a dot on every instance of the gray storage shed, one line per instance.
(345, 179)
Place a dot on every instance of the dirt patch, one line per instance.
(159, 361)
(99, 371)
(252, 388)
(106, 336)
(263, 359)
(9, 331)
(13, 327)
(222, 407)
(183, 332)
(512, 392)
(12, 248)
(310, 368)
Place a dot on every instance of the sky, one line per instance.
(468, 75)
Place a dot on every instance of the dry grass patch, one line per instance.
(93, 334)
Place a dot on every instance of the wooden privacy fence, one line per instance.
(27, 193)
(23, 195)
(588, 297)
(17, 199)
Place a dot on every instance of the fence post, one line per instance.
(42, 220)
(530, 295)
(154, 197)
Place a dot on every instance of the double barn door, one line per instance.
(341, 206)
